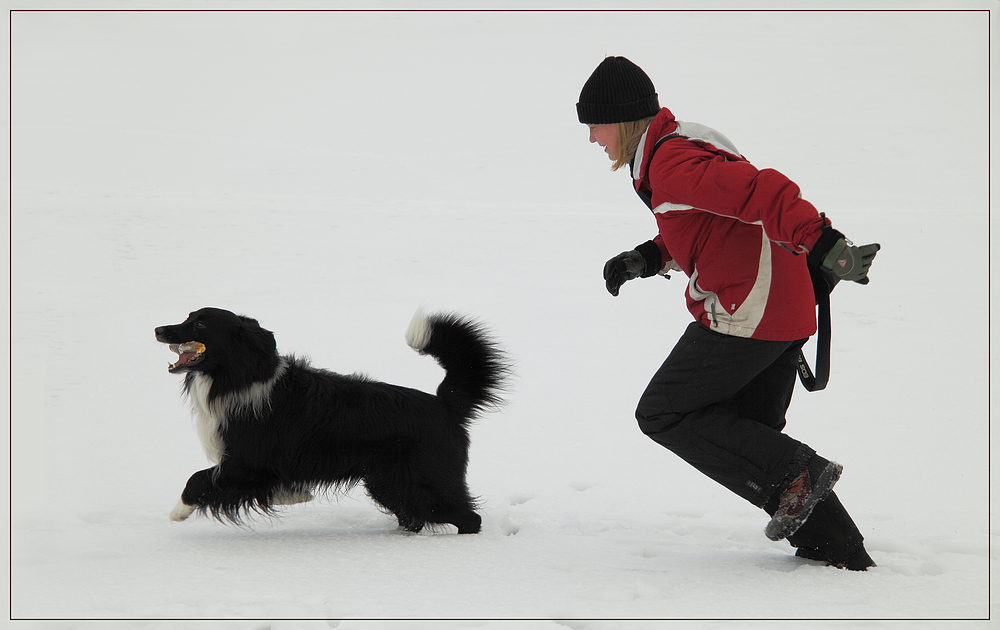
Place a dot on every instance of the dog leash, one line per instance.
(817, 381)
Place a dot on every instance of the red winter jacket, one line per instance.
(727, 226)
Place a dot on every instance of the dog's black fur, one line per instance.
(278, 428)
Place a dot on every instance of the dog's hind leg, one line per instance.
(451, 506)
(456, 509)
(448, 501)
(409, 523)
(413, 513)
(388, 494)
(467, 522)
(470, 523)
(290, 495)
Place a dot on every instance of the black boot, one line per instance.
(858, 561)
(830, 535)
(801, 495)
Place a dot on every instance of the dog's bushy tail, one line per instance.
(475, 368)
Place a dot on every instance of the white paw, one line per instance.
(291, 497)
(181, 511)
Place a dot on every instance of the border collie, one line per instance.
(278, 429)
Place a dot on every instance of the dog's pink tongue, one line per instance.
(186, 353)
(185, 358)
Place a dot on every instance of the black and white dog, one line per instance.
(277, 429)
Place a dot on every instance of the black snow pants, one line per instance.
(719, 403)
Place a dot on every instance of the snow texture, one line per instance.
(329, 172)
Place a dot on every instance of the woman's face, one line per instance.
(607, 137)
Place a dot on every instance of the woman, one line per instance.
(746, 239)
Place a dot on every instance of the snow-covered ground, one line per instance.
(330, 172)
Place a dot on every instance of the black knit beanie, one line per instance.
(617, 91)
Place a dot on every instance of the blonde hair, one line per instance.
(629, 134)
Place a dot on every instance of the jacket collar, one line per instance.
(663, 124)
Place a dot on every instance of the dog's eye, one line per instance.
(200, 326)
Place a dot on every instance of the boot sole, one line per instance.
(857, 561)
(778, 529)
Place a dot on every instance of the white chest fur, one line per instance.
(210, 417)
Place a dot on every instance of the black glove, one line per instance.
(848, 262)
(641, 262)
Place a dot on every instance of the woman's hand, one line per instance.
(622, 268)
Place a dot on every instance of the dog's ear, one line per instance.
(251, 335)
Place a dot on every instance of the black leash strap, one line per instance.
(647, 195)
(816, 382)
(823, 284)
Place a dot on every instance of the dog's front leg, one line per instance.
(228, 492)
(197, 488)
(181, 511)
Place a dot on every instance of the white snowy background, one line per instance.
(330, 172)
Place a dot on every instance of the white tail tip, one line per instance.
(418, 334)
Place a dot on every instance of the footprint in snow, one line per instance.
(520, 499)
(509, 526)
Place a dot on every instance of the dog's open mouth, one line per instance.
(189, 354)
